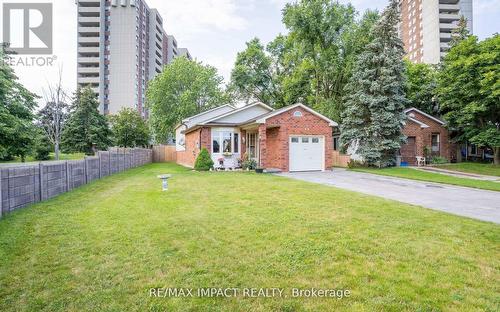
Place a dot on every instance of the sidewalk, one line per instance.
(459, 174)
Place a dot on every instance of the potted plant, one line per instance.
(227, 154)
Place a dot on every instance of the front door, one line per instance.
(307, 153)
(409, 151)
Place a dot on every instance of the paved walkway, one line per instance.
(474, 203)
(458, 174)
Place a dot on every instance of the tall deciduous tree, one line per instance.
(329, 39)
(375, 99)
(129, 129)
(53, 115)
(421, 87)
(85, 128)
(469, 91)
(253, 76)
(17, 104)
(184, 88)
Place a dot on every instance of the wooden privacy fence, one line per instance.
(24, 184)
(164, 153)
(340, 160)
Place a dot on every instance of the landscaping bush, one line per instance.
(247, 163)
(355, 164)
(439, 160)
(203, 161)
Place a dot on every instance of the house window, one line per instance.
(305, 140)
(473, 149)
(435, 140)
(295, 140)
(225, 141)
(335, 143)
(252, 145)
(315, 140)
(236, 137)
(297, 114)
(215, 143)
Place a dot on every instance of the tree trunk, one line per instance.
(496, 155)
(56, 150)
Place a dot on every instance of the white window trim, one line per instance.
(221, 131)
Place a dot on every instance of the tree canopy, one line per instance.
(469, 91)
(421, 87)
(129, 129)
(17, 105)
(311, 64)
(184, 88)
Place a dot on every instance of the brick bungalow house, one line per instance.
(293, 138)
(427, 137)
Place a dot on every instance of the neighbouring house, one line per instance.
(293, 138)
(427, 137)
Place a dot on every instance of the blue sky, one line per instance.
(213, 30)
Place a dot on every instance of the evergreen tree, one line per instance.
(374, 115)
(85, 127)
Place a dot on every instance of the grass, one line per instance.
(413, 174)
(62, 156)
(104, 245)
(473, 167)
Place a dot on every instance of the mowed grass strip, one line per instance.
(414, 174)
(471, 167)
(104, 245)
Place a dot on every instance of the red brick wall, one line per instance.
(423, 136)
(193, 140)
(276, 139)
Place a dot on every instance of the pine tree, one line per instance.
(375, 103)
(85, 127)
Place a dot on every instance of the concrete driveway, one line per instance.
(474, 203)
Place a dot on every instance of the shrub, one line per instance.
(439, 160)
(203, 161)
(247, 163)
(355, 164)
(42, 148)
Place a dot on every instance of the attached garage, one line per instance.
(307, 153)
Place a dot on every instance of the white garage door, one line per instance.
(307, 153)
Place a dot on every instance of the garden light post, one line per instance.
(164, 178)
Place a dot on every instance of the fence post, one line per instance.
(100, 169)
(42, 188)
(85, 168)
(68, 176)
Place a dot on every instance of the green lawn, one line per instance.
(471, 167)
(62, 156)
(414, 174)
(104, 245)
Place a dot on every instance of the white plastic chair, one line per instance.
(420, 161)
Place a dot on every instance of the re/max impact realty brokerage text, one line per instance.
(210, 292)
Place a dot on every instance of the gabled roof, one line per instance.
(246, 107)
(425, 114)
(207, 111)
(422, 125)
(263, 118)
